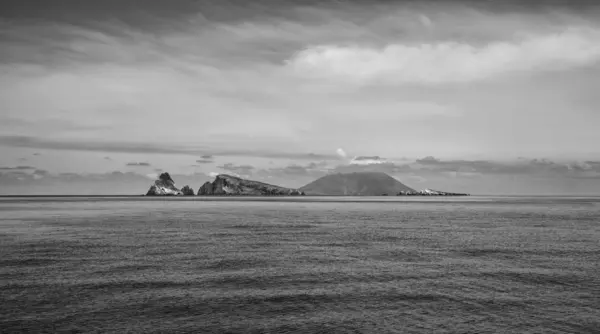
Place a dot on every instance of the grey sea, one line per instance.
(300, 265)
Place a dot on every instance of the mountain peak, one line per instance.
(165, 177)
(164, 186)
(356, 184)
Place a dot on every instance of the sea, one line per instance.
(476, 264)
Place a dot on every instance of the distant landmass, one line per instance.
(230, 185)
(356, 184)
(429, 192)
(341, 184)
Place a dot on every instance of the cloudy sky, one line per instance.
(481, 96)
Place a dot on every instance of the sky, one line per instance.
(487, 97)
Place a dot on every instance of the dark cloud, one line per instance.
(16, 173)
(362, 158)
(36, 154)
(118, 147)
(318, 169)
(155, 14)
(207, 157)
(224, 10)
(54, 123)
(107, 158)
(433, 167)
(69, 175)
(17, 168)
(156, 148)
(139, 164)
(22, 159)
(428, 160)
(317, 165)
(126, 183)
(481, 166)
(204, 161)
(41, 172)
(521, 167)
(87, 12)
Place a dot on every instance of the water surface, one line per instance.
(302, 264)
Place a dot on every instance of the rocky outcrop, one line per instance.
(164, 186)
(187, 191)
(206, 189)
(429, 192)
(227, 185)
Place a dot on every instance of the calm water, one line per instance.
(302, 265)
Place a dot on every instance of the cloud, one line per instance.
(155, 148)
(107, 158)
(367, 160)
(139, 164)
(204, 161)
(317, 165)
(312, 169)
(422, 169)
(40, 174)
(238, 169)
(426, 21)
(522, 166)
(340, 152)
(17, 168)
(46, 124)
(384, 167)
(123, 72)
(152, 176)
(428, 160)
(112, 183)
(207, 157)
(416, 178)
(448, 61)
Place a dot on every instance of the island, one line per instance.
(339, 184)
(228, 185)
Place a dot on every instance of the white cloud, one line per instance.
(448, 61)
(367, 160)
(341, 152)
(213, 174)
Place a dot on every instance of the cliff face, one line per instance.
(234, 186)
(206, 189)
(164, 186)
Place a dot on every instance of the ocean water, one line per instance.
(300, 265)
